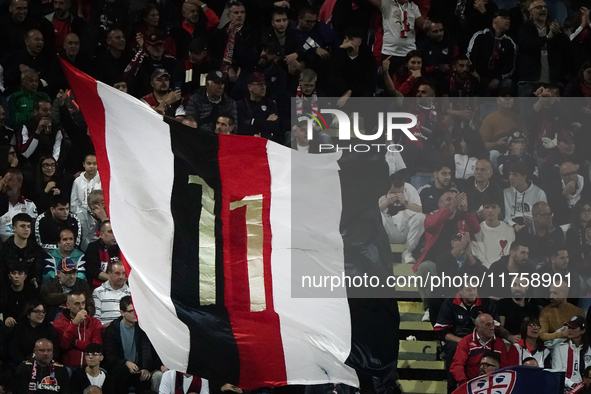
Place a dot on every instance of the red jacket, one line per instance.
(74, 339)
(466, 363)
(434, 223)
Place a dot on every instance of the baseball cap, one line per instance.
(565, 135)
(576, 322)
(198, 45)
(215, 76)
(516, 135)
(159, 72)
(154, 39)
(68, 265)
(256, 77)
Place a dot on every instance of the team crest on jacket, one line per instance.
(498, 383)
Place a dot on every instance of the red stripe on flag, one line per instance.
(258, 334)
(91, 104)
(569, 363)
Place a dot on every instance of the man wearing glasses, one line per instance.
(466, 364)
(258, 114)
(92, 374)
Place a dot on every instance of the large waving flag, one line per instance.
(205, 225)
(515, 380)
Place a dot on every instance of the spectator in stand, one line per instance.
(470, 152)
(66, 250)
(100, 254)
(548, 115)
(21, 103)
(225, 124)
(6, 133)
(439, 50)
(283, 34)
(110, 65)
(258, 114)
(21, 249)
(402, 215)
(92, 373)
(173, 380)
(580, 86)
(64, 22)
(467, 359)
(495, 237)
(77, 329)
(441, 227)
(544, 52)
(530, 345)
(489, 362)
(550, 168)
(128, 351)
(32, 326)
(481, 185)
(50, 224)
(516, 262)
(91, 220)
(517, 152)
(460, 83)
(514, 309)
(541, 235)
(558, 267)
(578, 240)
(493, 54)
(151, 24)
(198, 21)
(207, 103)
(352, 69)
(432, 192)
(563, 195)
(16, 294)
(521, 196)
(574, 354)
(191, 72)
(50, 182)
(107, 296)
(41, 137)
(554, 316)
(162, 99)
(41, 372)
(497, 126)
(149, 57)
(12, 202)
(88, 181)
(407, 78)
(18, 21)
(400, 20)
(31, 56)
(54, 291)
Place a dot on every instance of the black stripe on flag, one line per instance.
(214, 353)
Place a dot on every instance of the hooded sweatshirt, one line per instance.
(74, 338)
(517, 204)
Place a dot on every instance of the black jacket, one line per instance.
(252, 118)
(482, 49)
(113, 346)
(23, 337)
(98, 256)
(357, 75)
(31, 256)
(47, 229)
(79, 381)
(23, 378)
(530, 47)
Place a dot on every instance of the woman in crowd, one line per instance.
(408, 78)
(49, 183)
(32, 326)
(151, 24)
(530, 345)
(471, 150)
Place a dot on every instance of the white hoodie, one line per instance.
(516, 203)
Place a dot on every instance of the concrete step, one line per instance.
(421, 364)
(405, 270)
(410, 311)
(416, 325)
(423, 387)
(418, 350)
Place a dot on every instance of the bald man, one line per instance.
(48, 375)
(480, 185)
(565, 191)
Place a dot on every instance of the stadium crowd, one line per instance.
(494, 184)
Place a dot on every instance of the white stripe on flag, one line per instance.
(316, 333)
(140, 194)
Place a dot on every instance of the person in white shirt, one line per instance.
(495, 237)
(400, 19)
(574, 354)
(12, 202)
(109, 294)
(521, 196)
(191, 384)
(402, 215)
(88, 181)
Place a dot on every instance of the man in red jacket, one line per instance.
(466, 363)
(77, 329)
